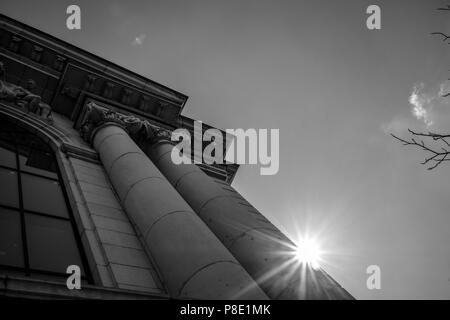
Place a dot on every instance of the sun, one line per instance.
(308, 252)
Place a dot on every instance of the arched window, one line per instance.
(37, 230)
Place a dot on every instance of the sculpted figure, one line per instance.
(23, 96)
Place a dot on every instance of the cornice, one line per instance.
(66, 51)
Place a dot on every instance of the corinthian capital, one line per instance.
(97, 116)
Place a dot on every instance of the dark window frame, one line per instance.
(27, 270)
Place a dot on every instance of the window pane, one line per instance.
(9, 192)
(51, 244)
(37, 161)
(7, 154)
(43, 195)
(6, 132)
(11, 253)
(25, 138)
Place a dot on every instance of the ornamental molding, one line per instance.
(23, 97)
(96, 117)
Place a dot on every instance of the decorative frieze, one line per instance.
(2, 72)
(96, 116)
(126, 96)
(70, 92)
(36, 54)
(14, 44)
(144, 103)
(161, 106)
(90, 83)
(24, 96)
(59, 62)
(108, 90)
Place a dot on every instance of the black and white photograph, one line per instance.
(240, 152)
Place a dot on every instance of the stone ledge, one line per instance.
(39, 289)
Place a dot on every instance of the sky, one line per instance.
(333, 88)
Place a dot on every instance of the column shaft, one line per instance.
(253, 240)
(190, 259)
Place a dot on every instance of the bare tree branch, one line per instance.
(444, 9)
(435, 136)
(445, 37)
(436, 157)
(438, 146)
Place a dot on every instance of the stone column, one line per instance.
(190, 259)
(265, 252)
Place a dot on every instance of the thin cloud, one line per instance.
(139, 40)
(422, 104)
(429, 111)
(398, 125)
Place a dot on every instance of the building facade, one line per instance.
(87, 180)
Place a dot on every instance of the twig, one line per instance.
(445, 37)
(444, 9)
(436, 157)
